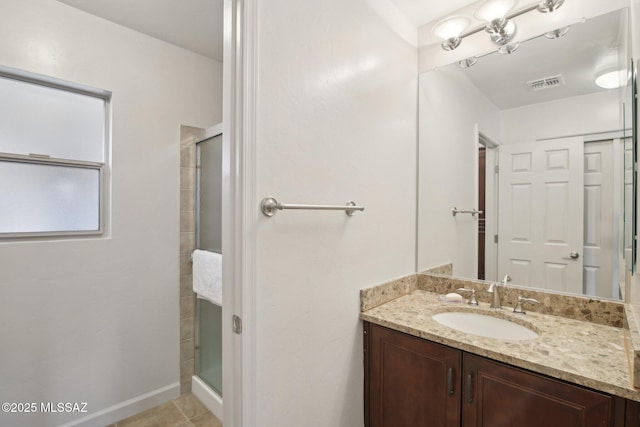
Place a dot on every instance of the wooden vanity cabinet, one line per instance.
(409, 381)
(500, 395)
(412, 382)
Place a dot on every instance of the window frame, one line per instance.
(43, 159)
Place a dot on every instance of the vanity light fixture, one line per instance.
(494, 12)
(556, 34)
(547, 6)
(508, 49)
(450, 29)
(498, 16)
(468, 62)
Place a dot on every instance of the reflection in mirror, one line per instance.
(543, 151)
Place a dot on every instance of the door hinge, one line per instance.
(496, 168)
(237, 324)
(495, 238)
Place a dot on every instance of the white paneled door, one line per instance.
(541, 213)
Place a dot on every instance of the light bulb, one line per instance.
(491, 10)
(451, 27)
(450, 30)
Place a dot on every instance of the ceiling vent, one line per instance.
(546, 83)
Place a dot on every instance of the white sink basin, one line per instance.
(484, 326)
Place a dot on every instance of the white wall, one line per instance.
(452, 110)
(96, 320)
(579, 115)
(336, 121)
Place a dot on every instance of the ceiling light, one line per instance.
(556, 34)
(450, 30)
(547, 6)
(611, 79)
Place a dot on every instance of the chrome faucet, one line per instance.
(495, 301)
(493, 289)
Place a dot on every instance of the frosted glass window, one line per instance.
(38, 198)
(53, 153)
(55, 122)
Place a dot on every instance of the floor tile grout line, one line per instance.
(180, 410)
(185, 415)
(189, 421)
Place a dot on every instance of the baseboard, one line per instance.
(210, 399)
(128, 408)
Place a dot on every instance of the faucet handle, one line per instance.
(521, 300)
(472, 300)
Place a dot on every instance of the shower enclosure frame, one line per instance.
(207, 394)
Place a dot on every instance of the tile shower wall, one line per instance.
(188, 138)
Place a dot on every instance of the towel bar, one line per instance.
(473, 212)
(269, 206)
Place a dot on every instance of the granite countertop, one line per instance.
(584, 353)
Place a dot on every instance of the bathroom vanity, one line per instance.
(528, 206)
(421, 373)
(415, 382)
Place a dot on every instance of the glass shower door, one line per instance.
(208, 237)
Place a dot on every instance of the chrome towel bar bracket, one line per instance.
(269, 206)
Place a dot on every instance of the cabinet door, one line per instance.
(410, 382)
(632, 414)
(498, 395)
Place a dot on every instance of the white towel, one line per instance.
(207, 275)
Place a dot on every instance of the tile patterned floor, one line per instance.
(185, 411)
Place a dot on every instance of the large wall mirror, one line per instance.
(544, 150)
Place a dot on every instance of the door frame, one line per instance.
(491, 200)
(240, 210)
